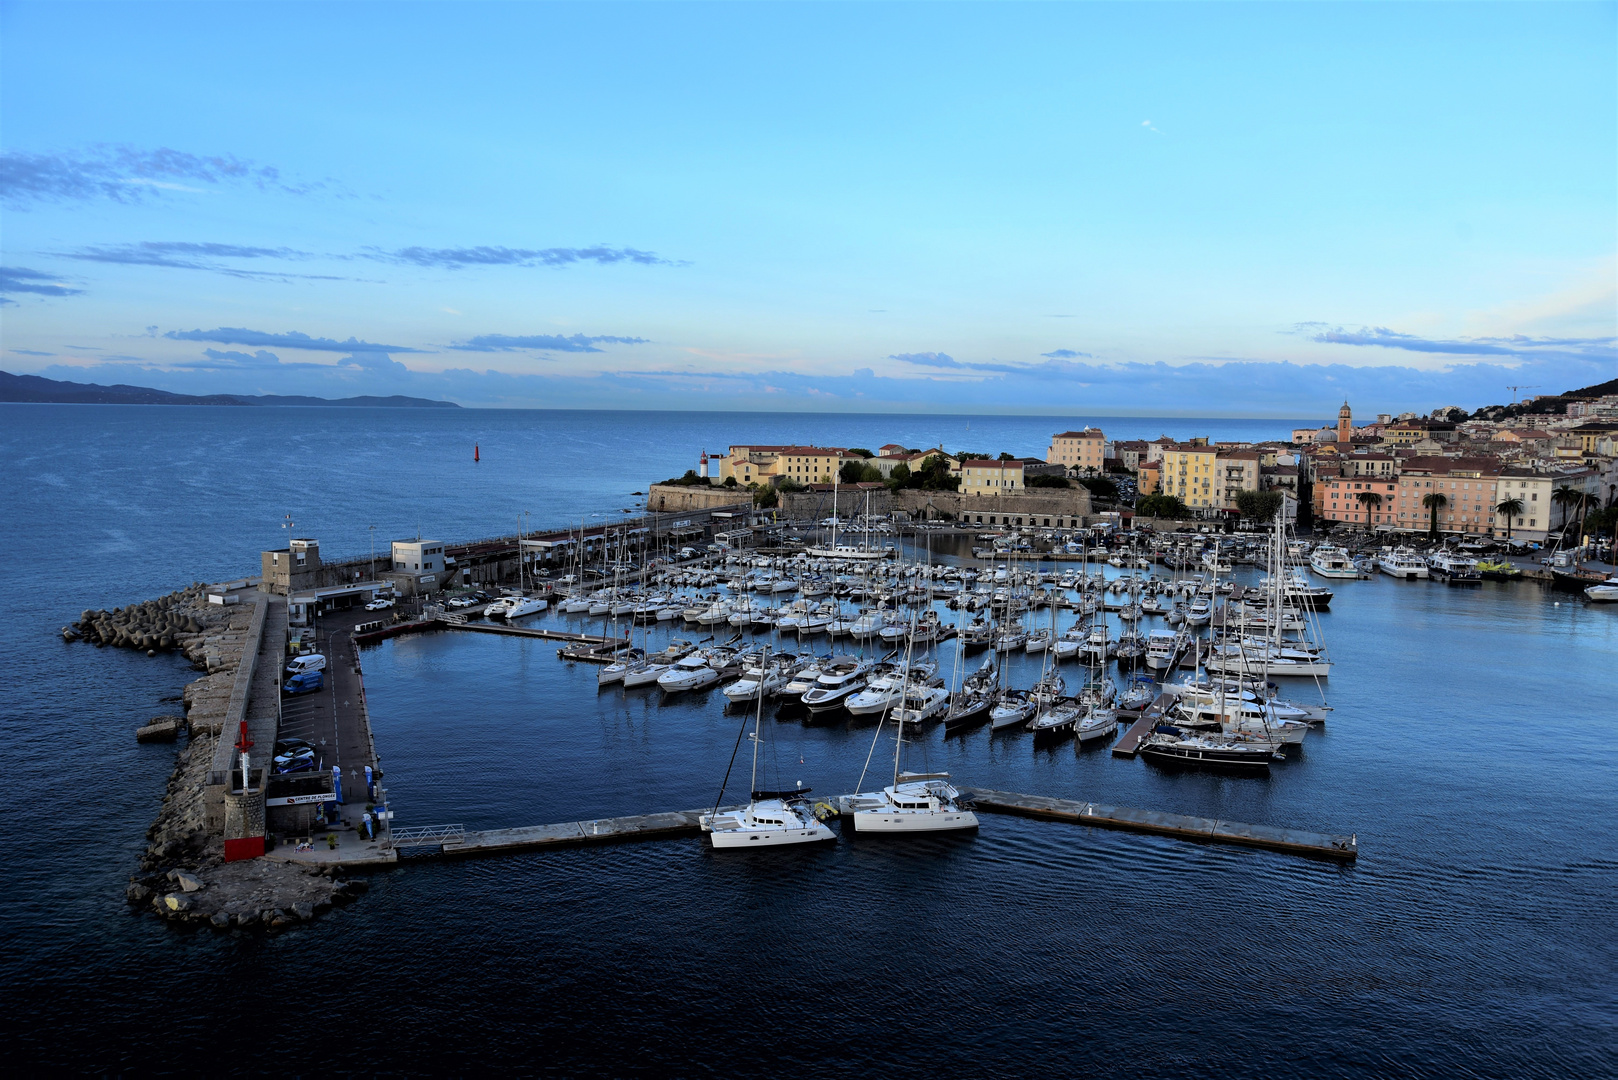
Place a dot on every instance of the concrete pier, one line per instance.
(662, 826)
(1293, 841)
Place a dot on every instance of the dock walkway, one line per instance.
(1129, 745)
(662, 826)
(1293, 841)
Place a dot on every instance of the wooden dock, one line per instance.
(1129, 745)
(1293, 841)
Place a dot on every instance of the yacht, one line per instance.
(644, 673)
(759, 680)
(839, 680)
(883, 691)
(1331, 561)
(515, 607)
(1454, 569)
(921, 703)
(1604, 592)
(1163, 649)
(914, 803)
(1038, 641)
(1169, 745)
(1060, 719)
(770, 818)
(1403, 563)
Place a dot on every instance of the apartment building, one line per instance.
(1344, 498)
(1237, 470)
(1468, 485)
(1085, 449)
(1188, 472)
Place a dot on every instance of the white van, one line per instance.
(310, 662)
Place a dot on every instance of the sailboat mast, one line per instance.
(758, 720)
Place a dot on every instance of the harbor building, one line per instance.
(1082, 450)
(290, 569)
(418, 566)
(1468, 486)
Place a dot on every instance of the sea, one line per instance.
(1472, 750)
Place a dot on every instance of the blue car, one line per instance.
(306, 683)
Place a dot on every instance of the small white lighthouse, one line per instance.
(702, 469)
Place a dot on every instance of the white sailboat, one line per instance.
(770, 818)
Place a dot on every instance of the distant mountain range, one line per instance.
(34, 388)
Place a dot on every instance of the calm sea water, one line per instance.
(1471, 750)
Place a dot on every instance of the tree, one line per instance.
(1509, 508)
(850, 472)
(1042, 481)
(766, 497)
(730, 481)
(1160, 506)
(1258, 505)
(1371, 501)
(1006, 457)
(1101, 487)
(1434, 501)
(899, 477)
(861, 451)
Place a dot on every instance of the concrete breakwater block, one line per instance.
(160, 729)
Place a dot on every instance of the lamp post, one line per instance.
(373, 551)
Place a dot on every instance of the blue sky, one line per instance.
(1150, 208)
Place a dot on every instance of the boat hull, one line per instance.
(901, 821)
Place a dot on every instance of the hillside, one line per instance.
(36, 389)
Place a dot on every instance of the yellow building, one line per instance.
(980, 476)
(1078, 449)
(763, 464)
(1188, 472)
(1149, 479)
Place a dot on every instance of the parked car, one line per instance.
(297, 761)
(460, 602)
(381, 603)
(285, 746)
(307, 683)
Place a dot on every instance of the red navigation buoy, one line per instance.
(475, 452)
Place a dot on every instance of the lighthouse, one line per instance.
(702, 469)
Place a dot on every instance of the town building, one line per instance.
(418, 566)
(1130, 452)
(1188, 473)
(290, 569)
(1237, 470)
(1468, 485)
(1081, 450)
(1354, 500)
(979, 476)
(766, 464)
(1149, 478)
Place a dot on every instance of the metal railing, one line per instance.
(428, 836)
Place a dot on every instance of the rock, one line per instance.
(187, 882)
(160, 729)
(246, 919)
(176, 902)
(220, 919)
(137, 893)
(303, 910)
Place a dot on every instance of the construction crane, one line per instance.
(1514, 390)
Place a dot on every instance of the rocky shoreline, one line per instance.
(183, 876)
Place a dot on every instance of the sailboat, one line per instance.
(770, 818)
(914, 802)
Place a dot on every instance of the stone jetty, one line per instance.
(183, 875)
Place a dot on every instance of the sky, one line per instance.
(1162, 209)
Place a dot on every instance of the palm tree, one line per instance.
(1566, 497)
(1509, 508)
(1370, 500)
(1434, 501)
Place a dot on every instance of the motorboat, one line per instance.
(921, 702)
(839, 680)
(1163, 649)
(1038, 641)
(1097, 647)
(1604, 592)
(1454, 569)
(1331, 561)
(681, 678)
(644, 673)
(759, 679)
(1404, 564)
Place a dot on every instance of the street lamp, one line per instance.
(373, 552)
